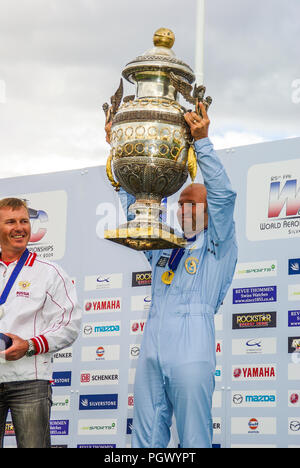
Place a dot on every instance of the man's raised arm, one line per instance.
(220, 195)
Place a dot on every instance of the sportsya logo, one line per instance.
(255, 269)
(273, 201)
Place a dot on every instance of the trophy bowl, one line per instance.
(151, 146)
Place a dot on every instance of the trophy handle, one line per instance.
(109, 174)
(115, 100)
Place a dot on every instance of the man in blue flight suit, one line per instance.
(176, 367)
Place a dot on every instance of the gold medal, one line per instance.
(191, 265)
(167, 277)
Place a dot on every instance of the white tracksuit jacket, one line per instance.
(42, 305)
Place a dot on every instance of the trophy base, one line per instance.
(145, 237)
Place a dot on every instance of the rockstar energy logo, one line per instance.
(141, 278)
(254, 320)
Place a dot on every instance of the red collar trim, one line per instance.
(7, 263)
(29, 262)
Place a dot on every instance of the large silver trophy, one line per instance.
(152, 150)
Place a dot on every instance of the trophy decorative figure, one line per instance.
(152, 150)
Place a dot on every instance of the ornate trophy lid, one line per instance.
(159, 58)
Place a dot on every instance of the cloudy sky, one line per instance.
(60, 60)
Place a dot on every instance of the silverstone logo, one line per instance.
(294, 266)
(62, 379)
(98, 402)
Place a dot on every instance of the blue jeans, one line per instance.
(29, 403)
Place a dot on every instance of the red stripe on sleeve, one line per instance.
(41, 344)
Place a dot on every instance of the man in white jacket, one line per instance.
(40, 313)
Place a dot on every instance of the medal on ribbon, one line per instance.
(168, 276)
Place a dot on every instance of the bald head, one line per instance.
(196, 192)
(192, 209)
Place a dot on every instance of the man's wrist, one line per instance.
(202, 142)
(31, 351)
(202, 137)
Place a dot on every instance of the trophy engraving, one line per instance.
(152, 151)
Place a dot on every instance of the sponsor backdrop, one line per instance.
(257, 396)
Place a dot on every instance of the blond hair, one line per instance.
(13, 203)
